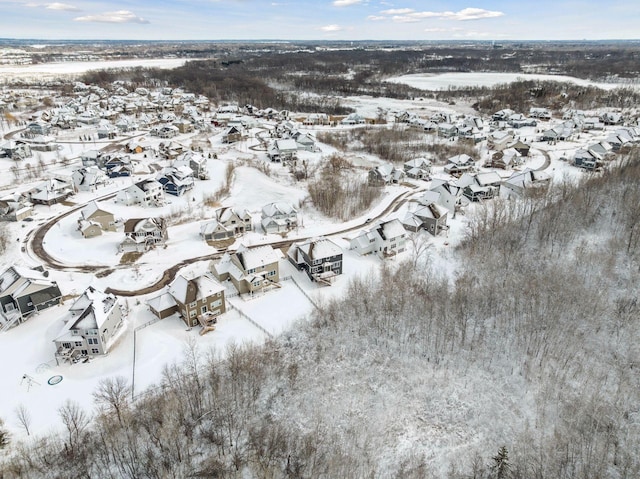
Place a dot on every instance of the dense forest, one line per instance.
(521, 361)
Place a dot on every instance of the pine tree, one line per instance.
(4, 436)
(500, 466)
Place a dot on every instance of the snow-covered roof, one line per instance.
(256, 257)
(318, 248)
(91, 310)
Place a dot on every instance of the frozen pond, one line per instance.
(431, 82)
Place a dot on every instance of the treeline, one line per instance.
(521, 363)
(556, 96)
(276, 79)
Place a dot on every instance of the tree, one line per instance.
(76, 421)
(500, 466)
(113, 393)
(4, 435)
(24, 418)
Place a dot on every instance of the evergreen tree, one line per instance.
(500, 465)
(4, 435)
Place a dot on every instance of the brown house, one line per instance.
(197, 299)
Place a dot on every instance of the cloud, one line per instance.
(376, 18)
(407, 15)
(121, 16)
(331, 28)
(346, 3)
(397, 11)
(62, 6)
(405, 19)
(55, 6)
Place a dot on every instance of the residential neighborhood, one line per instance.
(145, 224)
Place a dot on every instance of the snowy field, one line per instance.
(69, 70)
(443, 81)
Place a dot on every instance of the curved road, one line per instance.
(35, 239)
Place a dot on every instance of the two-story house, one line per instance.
(320, 258)
(90, 326)
(279, 217)
(144, 193)
(387, 238)
(24, 292)
(198, 299)
(229, 223)
(143, 234)
(250, 269)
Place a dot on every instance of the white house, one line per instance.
(90, 326)
(144, 193)
(386, 239)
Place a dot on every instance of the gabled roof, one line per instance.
(256, 257)
(91, 310)
(186, 288)
(318, 248)
(91, 209)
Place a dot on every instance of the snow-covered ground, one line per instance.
(28, 349)
(443, 81)
(72, 69)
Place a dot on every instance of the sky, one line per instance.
(321, 19)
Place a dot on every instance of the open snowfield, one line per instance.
(74, 69)
(444, 81)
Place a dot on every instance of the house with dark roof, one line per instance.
(320, 258)
(24, 292)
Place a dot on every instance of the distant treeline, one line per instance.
(285, 80)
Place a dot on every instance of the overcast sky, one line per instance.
(322, 19)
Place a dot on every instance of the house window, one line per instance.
(337, 264)
(193, 305)
(215, 304)
(95, 351)
(372, 240)
(317, 261)
(78, 343)
(84, 351)
(316, 269)
(203, 309)
(66, 345)
(256, 284)
(251, 271)
(271, 273)
(192, 313)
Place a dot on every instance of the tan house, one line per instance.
(89, 229)
(250, 270)
(95, 214)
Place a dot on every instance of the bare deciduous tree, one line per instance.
(113, 394)
(24, 418)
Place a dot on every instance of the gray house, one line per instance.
(24, 292)
(320, 258)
